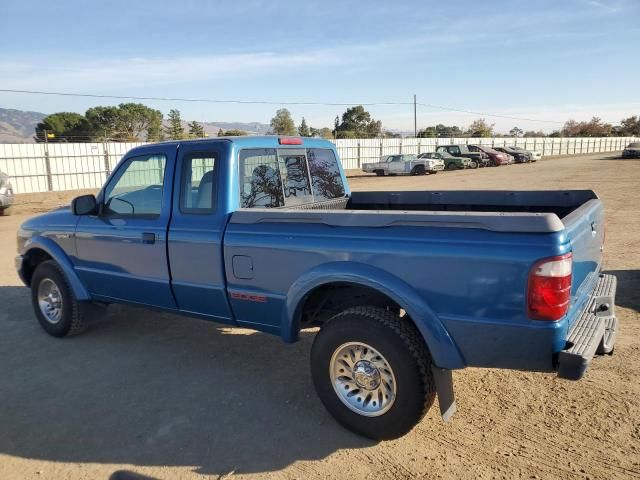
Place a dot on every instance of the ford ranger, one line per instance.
(263, 233)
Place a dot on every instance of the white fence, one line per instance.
(72, 166)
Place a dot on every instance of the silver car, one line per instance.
(408, 164)
(6, 194)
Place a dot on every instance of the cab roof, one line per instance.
(258, 141)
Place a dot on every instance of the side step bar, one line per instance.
(593, 333)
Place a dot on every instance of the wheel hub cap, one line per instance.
(50, 300)
(363, 379)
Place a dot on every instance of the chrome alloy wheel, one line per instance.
(362, 379)
(50, 300)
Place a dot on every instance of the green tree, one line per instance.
(282, 123)
(196, 129)
(593, 128)
(235, 133)
(441, 130)
(63, 127)
(357, 123)
(480, 128)
(134, 119)
(630, 126)
(175, 130)
(323, 132)
(103, 123)
(303, 129)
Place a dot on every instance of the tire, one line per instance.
(390, 342)
(380, 173)
(5, 212)
(418, 170)
(451, 166)
(70, 320)
(473, 164)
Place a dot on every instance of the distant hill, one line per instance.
(17, 126)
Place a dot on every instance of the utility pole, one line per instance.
(415, 117)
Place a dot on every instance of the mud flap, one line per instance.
(444, 387)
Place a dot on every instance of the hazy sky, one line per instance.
(546, 60)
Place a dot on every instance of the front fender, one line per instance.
(443, 349)
(61, 258)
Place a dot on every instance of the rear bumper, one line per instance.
(593, 333)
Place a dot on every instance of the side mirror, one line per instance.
(84, 205)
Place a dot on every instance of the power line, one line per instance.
(270, 102)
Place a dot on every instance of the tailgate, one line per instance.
(585, 230)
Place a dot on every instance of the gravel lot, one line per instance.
(148, 395)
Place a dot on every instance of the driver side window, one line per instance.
(137, 190)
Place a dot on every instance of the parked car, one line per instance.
(403, 165)
(206, 229)
(450, 162)
(481, 158)
(6, 194)
(520, 156)
(535, 155)
(497, 158)
(632, 150)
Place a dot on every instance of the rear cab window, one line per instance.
(288, 177)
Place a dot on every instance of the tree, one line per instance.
(235, 133)
(63, 127)
(630, 126)
(303, 129)
(441, 130)
(220, 133)
(175, 130)
(323, 132)
(134, 119)
(480, 128)
(103, 123)
(532, 133)
(196, 129)
(593, 128)
(282, 123)
(516, 132)
(357, 123)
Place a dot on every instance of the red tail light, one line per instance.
(289, 140)
(549, 289)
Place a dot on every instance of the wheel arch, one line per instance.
(40, 249)
(441, 345)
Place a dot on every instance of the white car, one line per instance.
(408, 164)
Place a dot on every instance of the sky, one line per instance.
(540, 61)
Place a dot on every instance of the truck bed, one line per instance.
(505, 211)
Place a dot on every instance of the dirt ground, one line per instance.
(146, 395)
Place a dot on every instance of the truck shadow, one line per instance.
(152, 389)
(628, 292)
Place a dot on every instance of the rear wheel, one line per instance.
(58, 312)
(451, 166)
(418, 170)
(372, 371)
(380, 173)
(473, 164)
(5, 212)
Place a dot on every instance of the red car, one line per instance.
(497, 158)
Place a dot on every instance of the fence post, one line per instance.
(380, 148)
(358, 150)
(47, 162)
(419, 146)
(106, 160)
(400, 146)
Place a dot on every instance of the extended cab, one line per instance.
(263, 232)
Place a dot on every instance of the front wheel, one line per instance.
(58, 312)
(380, 173)
(372, 371)
(473, 164)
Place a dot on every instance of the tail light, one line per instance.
(549, 288)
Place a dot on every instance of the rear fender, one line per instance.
(80, 292)
(443, 349)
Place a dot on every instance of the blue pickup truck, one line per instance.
(405, 286)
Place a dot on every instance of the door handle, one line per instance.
(148, 238)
